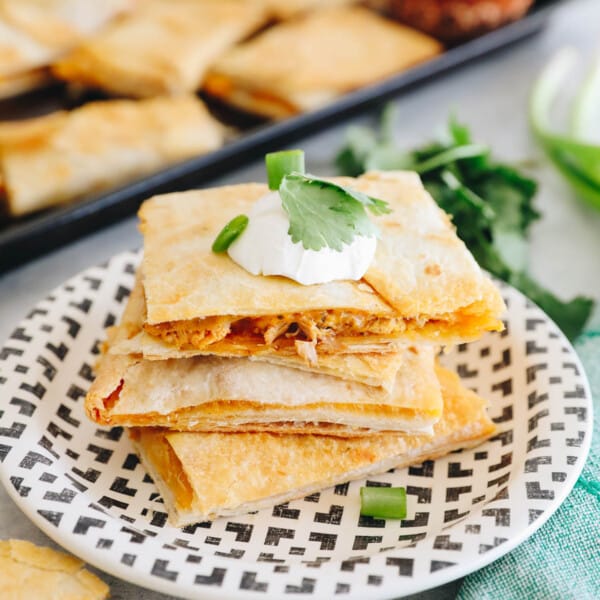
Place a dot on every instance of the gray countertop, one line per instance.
(491, 97)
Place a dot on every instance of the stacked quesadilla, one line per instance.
(310, 385)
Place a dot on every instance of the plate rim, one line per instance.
(102, 562)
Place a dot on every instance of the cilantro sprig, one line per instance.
(323, 214)
(491, 204)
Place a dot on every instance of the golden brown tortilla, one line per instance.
(287, 9)
(29, 571)
(318, 57)
(423, 283)
(372, 364)
(208, 475)
(235, 394)
(19, 83)
(65, 155)
(163, 47)
(34, 33)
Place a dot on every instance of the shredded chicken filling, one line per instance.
(332, 331)
(316, 326)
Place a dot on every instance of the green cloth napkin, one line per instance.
(562, 559)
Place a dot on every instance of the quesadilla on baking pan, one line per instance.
(320, 56)
(162, 48)
(64, 155)
(203, 476)
(371, 368)
(423, 284)
(34, 33)
(235, 394)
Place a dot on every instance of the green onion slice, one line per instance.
(280, 164)
(577, 160)
(230, 233)
(383, 502)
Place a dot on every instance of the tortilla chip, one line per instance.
(30, 571)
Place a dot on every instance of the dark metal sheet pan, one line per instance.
(24, 239)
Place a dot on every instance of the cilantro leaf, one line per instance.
(324, 214)
(375, 206)
(491, 204)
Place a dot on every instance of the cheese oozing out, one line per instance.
(266, 248)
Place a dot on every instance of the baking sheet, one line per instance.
(31, 236)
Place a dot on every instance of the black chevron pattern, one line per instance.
(87, 482)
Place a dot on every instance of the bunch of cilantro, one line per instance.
(491, 204)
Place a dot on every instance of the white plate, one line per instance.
(83, 486)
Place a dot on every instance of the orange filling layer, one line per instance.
(319, 326)
(322, 327)
(259, 101)
(208, 414)
(161, 455)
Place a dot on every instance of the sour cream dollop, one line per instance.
(265, 248)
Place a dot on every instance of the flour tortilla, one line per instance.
(203, 476)
(235, 394)
(34, 33)
(327, 53)
(62, 156)
(163, 48)
(423, 280)
(30, 571)
(374, 365)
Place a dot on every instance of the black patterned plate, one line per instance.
(85, 488)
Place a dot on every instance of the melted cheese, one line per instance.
(331, 329)
(159, 453)
(316, 325)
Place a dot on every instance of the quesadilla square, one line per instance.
(163, 48)
(202, 476)
(33, 34)
(373, 368)
(235, 394)
(65, 155)
(423, 283)
(319, 57)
